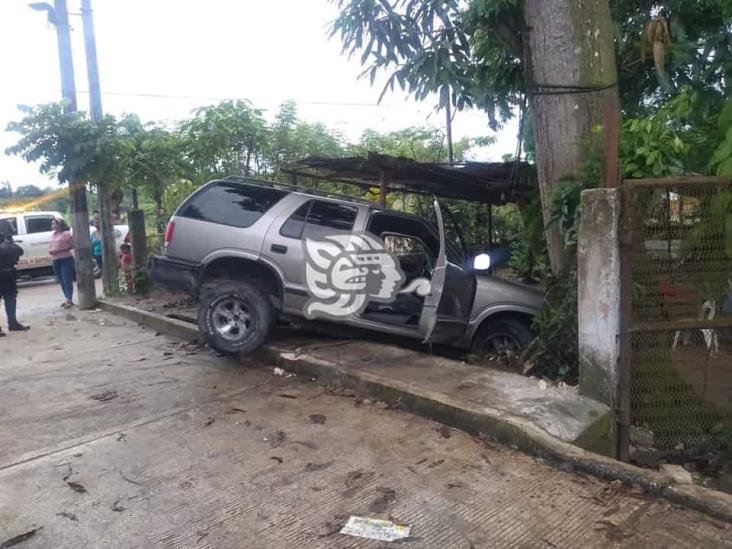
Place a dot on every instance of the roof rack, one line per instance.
(295, 188)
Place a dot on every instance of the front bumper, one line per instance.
(174, 274)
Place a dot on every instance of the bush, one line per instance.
(554, 353)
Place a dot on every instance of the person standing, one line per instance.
(62, 245)
(10, 253)
(96, 242)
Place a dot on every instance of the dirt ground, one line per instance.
(114, 436)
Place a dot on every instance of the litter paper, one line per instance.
(369, 528)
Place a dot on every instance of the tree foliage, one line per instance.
(475, 50)
(226, 138)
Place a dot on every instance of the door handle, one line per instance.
(278, 249)
(16, 241)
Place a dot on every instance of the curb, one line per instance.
(480, 421)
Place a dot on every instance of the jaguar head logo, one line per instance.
(344, 273)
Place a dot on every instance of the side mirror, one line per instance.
(482, 262)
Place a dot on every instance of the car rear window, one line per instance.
(231, 204)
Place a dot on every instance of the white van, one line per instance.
(32, 232)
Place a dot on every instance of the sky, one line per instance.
(161, 59)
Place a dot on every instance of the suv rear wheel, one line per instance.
(235, 317)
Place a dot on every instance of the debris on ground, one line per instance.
(278, 459)
(20, 538)
(677, 473)
(285, 395)
(307, 444)
(313, 467)
(209, 421)
(318, 419)
(105, 396)
(276, 439)
(237, 411)
(76, 487)
(128, 479)
(278, 371)
(70, 516)
(376, 529)
(445, 431)
(117, 507)
(122, 437)
(381, 504)
(69, 471)
(436, 463)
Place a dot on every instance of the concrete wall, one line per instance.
(599, 294)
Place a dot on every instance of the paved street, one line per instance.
(113, 436)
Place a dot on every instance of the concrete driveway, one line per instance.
(113, 436)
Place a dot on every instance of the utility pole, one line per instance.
(58, 15)
(109, 261)
(448, 125)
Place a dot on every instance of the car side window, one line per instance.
(293, 227)
(13, 224)
(231, 204)
(318, 215)
(38, 223)
(332, 215)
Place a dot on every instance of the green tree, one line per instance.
(6, 191)
(155, 161)
(491, 54)
(28, 191)
(225, 139)
(69, 145)
(423, 144)
(292, 139)
(697, 57)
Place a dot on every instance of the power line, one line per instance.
(211, 98)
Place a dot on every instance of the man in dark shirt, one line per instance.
(9, 255)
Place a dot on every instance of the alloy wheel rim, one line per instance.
(232, 319)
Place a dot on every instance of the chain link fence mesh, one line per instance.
(681, 326)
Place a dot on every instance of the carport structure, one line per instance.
(493, 183)
(489, 183)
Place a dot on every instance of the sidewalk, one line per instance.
(554, 423)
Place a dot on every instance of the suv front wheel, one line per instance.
(235, 317)
(502, 342)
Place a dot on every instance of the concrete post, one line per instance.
(598, 257)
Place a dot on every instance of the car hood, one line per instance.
(495, 292)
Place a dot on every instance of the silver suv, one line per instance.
(238, 246)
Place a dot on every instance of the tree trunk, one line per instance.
(569, 44)
(82, 247)
(110, 272)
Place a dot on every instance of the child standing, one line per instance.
(125, 258)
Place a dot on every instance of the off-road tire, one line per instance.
(239, 307)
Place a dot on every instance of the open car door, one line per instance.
(446, 309)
